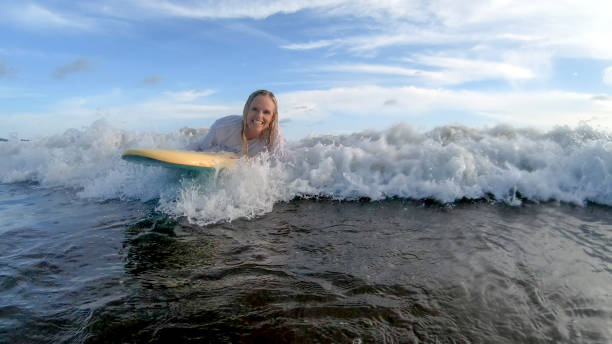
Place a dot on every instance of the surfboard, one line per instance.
(181, 159)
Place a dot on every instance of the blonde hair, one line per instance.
(271, 132)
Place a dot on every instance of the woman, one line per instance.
(256, 131)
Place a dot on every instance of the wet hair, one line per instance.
(270, 134)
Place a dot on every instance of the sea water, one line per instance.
(454, 235)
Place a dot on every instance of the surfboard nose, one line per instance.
(181, 157)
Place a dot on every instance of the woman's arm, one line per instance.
(207, 142)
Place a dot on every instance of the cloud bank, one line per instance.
(409, 104)
(542, 109)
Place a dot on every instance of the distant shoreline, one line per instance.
(6, 140)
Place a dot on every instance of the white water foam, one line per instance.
(446, 164)
(89, 161)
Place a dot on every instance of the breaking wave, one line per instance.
(445, 164)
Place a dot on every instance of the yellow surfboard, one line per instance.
(182, 159)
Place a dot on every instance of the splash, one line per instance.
(445, 164)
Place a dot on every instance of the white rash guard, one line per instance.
(226, 135)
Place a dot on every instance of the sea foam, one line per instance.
(446, 164)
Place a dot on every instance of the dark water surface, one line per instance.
(73, 270)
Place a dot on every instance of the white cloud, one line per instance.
(459, 70)
(309, 45)
(450, 71)
(189, 95)
(257, 9)
(505, 70)
(572, 28)
(168, 105)
(374, 69)
(153, 110)
(547, 29)
(34, 16)
(607, 76)
(369, 42)
(543, 109)
(149, 114)
(388, 105)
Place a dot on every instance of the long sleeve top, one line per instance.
(226, 135)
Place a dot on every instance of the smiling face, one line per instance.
(260, 115)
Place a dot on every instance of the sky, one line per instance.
(335, 66)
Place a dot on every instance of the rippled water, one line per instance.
(73, 270)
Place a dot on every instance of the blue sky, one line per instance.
(336, 66)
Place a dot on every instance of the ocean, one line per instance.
(452, 235)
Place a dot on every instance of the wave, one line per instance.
(446, 164)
